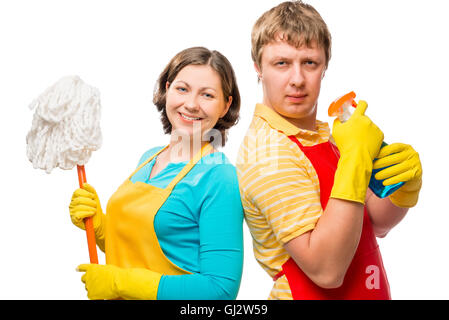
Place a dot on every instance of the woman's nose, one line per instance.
(191, 103)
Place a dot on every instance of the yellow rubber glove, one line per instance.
(403, 165)
(111, 282)
(85, 203)
(358, 141)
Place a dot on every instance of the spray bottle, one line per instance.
(341, 108)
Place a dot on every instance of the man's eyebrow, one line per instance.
(279, 57)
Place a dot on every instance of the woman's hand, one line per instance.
(99, 281)
(111, 282)
(84, 204)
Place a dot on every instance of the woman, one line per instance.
(173, 229)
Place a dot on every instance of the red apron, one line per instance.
(365, 278)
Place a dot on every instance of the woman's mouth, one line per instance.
(189, 118)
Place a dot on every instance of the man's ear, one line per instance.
(259, 72)
(323, 74)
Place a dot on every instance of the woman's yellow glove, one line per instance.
(358, 141)
(403, 165)
(111, 282)
(85, 203)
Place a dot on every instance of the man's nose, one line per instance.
(297, 78)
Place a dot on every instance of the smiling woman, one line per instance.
(173, 229)
(198, 100)
(216, 89)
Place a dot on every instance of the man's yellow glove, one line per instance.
(358, 141)
(85, 203)
(403, 165)
(111, 282)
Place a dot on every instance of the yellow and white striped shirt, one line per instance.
(279, 188)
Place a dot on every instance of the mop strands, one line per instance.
(66, 125)
(64, 132)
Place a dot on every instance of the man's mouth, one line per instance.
(296, 97)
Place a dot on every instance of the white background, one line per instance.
(391, 53)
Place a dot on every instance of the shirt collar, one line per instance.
(277, 122)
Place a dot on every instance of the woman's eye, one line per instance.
(181, 89)
(208, 95)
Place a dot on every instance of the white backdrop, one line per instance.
(391, 53)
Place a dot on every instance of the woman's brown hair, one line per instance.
(218, 62)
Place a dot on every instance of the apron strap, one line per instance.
(146, 161)
(204, 149)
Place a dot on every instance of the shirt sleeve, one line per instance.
(221, 244)
(279, 191)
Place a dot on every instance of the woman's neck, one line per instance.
(181, 150)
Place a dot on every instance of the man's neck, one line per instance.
(303, 123)
(306, 123)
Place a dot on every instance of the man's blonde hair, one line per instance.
(296, 22)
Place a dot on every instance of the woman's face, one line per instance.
(195, 100)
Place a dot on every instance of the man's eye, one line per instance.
(310, 62)
(281, 63)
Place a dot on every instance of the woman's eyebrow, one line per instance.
(177, 81)
(202, 88)
(210, 88)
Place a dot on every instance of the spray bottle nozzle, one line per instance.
(341, 106)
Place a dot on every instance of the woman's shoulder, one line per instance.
(217, 166)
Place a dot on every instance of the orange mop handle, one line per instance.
(91, 244)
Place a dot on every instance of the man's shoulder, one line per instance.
(260, 134)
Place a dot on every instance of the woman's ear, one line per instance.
(227, 106)
(167, 85)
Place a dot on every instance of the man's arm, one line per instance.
(325, 253)
(402, 164)
(383, 213)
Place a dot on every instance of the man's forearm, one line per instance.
(383, 213)
(326, 252)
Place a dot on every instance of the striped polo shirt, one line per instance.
(279, 188)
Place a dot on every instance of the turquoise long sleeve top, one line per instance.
(199, 228)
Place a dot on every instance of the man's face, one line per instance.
(291, 79)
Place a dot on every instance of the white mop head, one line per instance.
(66, 125)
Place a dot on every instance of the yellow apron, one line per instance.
(131, 241)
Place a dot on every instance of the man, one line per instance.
(312, 217)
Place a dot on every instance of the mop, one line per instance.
(64, 132)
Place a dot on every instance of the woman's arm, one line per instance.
(221, 244)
